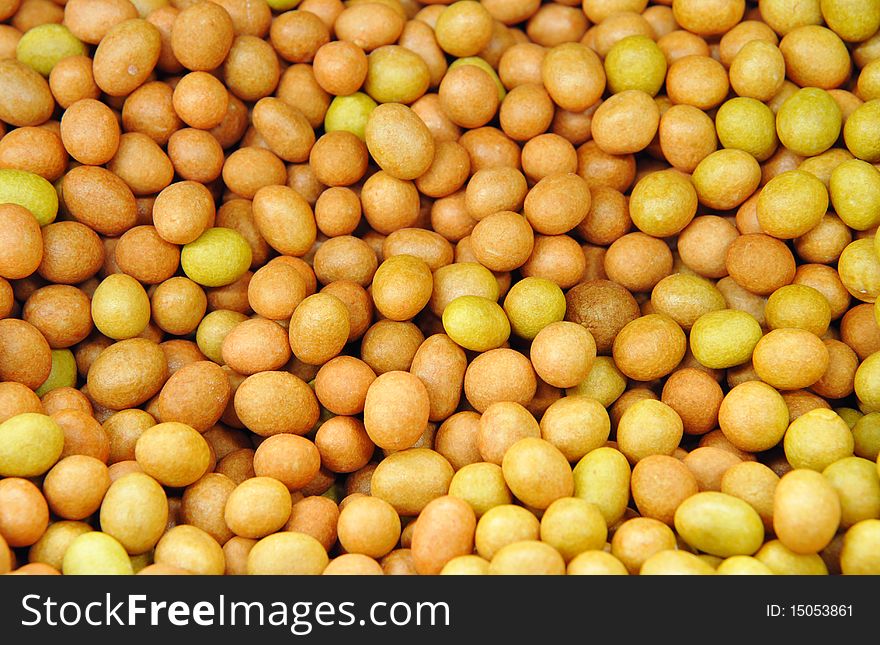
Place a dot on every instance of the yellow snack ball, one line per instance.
(605, 383)
(852, 20)
(504, 525)
(861, 549)
(482, 486)
(747, 124)
(860, 131)
(817, 439)
(866, 434)
(596, 563)
(30, 191)
(806, 511)
(859, 269)
(855, 194)
(44, 45)
(869, 81)
(753, 416)
(287, 553)
(30, 444)
(663, 203)
(527, 558)
(680, 563)
(476, 323)
(218, 257)
(758, 70)
(867, 381)
(532, 304)
(726, 178)
(572, 525)
(799, 306)
(537, 472)
(783, 561)
(648, 427)
(719, 524)
(791, 204)
(63, 373)
(120, 307)
(685, 298)
(724, 338)
(790, 359)
(96, 553)
(708, 17)
(857, 483)
(635, 63)
(349, 113)
(602, 477)
(466, 565)
(464, 28)
(213, 329)
(743, 565)
(809, 121)
(396, 75)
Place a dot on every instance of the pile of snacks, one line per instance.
(401, 286)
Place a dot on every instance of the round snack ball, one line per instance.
(341, 384)
(685, 298)
(719, 524)
(368, 526)
(218, 257)
(866, 386)
(639, 538)
(191, 549)
(604, 308)
(466, 565)
(532, 304)
(399, 141)
(402, 286)
(90, 132)
(857, 484)
(257, 507)
(46, 45)
(31, 192)
(859, 269)
(806, 511)
(476, 323)
(501, 425)
(343, 445)
(724, 338)
(804, 46)
(573, 75)
(625, 123)
(464, 28)
(753, 416)
(660, 484)
(809, 122)
(663, 203)
(576, 425)
(197, 395)
(798, 306)
(482, 486)
(409, 479)
(649, 347)
(592, 563)
(120, 307)
(747, 124)
(791, 204)
(349, 113)
(30, 444)
(126, 56)
(529, 557)
(760, 263)
(562, 353)
(859, 554)
(557, 203)
(635, 63)
(269, 403)
(696, 396)
(251, 345)
(572, 526)
(537, 472)
(62, 374)
(396, 410)
(817, 439)
(858, 128)
(648, 427)
(173, 453)
(137, 532)
(638, 261)
(25, 356)
(127, 374)
(289, 553)
(319, 328)
(790, 359)
(503, 525)
(21, 250)
(395, 75)
(96, 553)
(445, 530)
(782, 561)
(202, 36)
(855, 193)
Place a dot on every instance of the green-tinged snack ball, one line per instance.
(396, 75)
(809, 121)
(213, 329)
(791, 204)
(30, 444)
(635, 63)
(857, 483)
(719, 524)
(349, 113)
(44, 45)
(860, 131)
(663, 203)
(63, 372)
(726, 178)
(861, 549)
(800, 306)
(218, 257)
(532, 304)
(476, 323)
(120, 307)
(855, 194)
(282, 5)
(724, 338)
(572, 525)
(602, 477)
(867, 381)
(96, 553)
(747, 124)
(486, 67)
(743, 565)
(605, 382)
(852, 20)
(31, 191)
